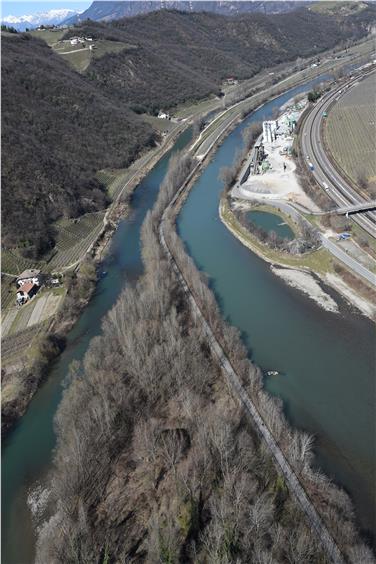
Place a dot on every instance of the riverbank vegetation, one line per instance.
(155, 461)
(27, 354)
(307, 239)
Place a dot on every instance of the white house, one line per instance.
(163, 115)
(31, 276)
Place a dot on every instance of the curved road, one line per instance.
(338, 189)
(295, 212)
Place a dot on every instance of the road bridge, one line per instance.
(324, 172)
(356, 208)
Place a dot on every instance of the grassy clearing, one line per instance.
(337, 7)
(188, 109)
(49, 36)
(80, 56)
(159, 124)
(79, 60)
(319, 261)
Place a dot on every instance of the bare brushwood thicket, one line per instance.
(155, 461)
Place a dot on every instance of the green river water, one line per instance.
(327, 360)
(270, 222)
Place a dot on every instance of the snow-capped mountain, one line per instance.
(31, 21)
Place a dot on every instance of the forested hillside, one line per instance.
(58, 129)
(182, 56)
(109, 10)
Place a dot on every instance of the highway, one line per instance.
(355, 265)
(339, 190)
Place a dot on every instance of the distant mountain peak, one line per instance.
(50, 17)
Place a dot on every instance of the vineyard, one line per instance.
(349, 133)
(38, 310)
(74, 237)
(115, 180)
(13, 263)
(15, 347)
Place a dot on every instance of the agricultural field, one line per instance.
(16, 319)
(50, 36)
(74, 237)
(79, 56)
(13, 263)
(163, 125)
(350, 134)
(7, 291)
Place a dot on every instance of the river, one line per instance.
(326, 360)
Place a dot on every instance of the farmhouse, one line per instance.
(28, 276)
(163, 115)
(26, 292)
(77, 40)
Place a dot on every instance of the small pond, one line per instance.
(270, 222)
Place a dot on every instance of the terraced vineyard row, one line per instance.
(16, 345)
(349, 132)
(7, 292)
(74, 238)
(13, 263)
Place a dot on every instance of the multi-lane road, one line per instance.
(324, 172)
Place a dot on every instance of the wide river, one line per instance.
(326, 360)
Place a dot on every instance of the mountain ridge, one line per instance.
(101, 10)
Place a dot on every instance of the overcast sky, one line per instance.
(27, 7)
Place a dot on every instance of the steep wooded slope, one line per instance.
(181, 56)
(58, 129)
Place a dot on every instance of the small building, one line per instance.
(74, 41)
(163, 115)
(231, 80)
(269, 130)
(29, 276)
(26, 292)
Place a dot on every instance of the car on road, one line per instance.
(343, 236)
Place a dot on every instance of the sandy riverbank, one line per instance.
(307, 283)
